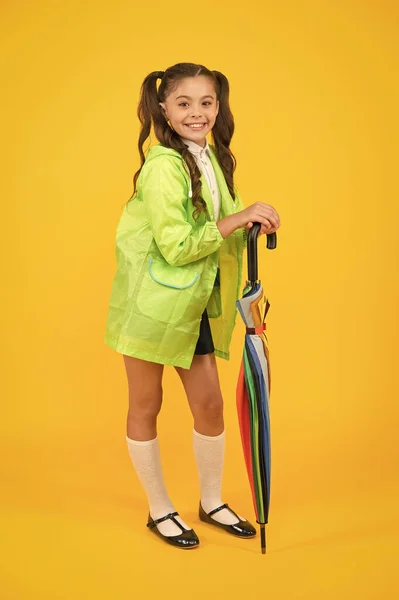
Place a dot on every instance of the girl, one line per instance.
(179, 245)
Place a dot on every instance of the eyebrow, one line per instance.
(189, 97)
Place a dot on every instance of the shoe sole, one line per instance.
(237, 535)
(162, 538)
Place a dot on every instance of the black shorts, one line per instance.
(205, 342)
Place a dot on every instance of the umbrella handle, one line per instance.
(252, 250)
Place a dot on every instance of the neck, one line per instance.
(201, 143)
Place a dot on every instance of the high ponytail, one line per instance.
(147, 108)
(223, 131)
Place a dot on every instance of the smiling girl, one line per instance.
(179, 245)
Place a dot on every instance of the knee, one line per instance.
(210, 407)
(145, 404)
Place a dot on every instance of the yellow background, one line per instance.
(313, 92)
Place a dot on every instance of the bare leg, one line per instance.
(145, 397)
(145, 401)
(201, 383)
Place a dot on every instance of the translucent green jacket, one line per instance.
(167, 263)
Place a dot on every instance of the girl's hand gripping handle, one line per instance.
(259, 212)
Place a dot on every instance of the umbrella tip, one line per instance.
(263, 538)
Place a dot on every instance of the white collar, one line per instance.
(196, 148)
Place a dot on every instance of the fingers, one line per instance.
(265, 219)
(267, 211)
(262, 213)
(265, 227)
(265, 223)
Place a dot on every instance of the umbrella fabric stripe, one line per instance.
(255, 433)
(256, 474)
(263, 400)
(239, 305)
(249, 449)
(262, 370)
(259, 375)
(260, 378)
(241, 311)
(242, 405)
(267, 411)
(266, 351)
(262, 432)
(243, 419)
(264, 360)
(253, 424)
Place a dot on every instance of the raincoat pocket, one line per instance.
(168, 293)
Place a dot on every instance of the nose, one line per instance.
(196, 112)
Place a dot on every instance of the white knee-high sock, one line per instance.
(209, 455)
(146, 458)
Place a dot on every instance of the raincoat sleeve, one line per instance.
(164, 193)
(241, 207)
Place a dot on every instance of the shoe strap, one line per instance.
(215, 510)
(171, 516)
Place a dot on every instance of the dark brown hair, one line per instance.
(149, 111)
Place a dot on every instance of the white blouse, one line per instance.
(202, 157)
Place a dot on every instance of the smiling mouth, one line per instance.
(195, 126)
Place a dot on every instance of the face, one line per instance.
(191, 108)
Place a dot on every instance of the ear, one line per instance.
(162, 105)
(217, 107)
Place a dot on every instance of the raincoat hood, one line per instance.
(159, 150)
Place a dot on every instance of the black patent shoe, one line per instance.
(242, 529)
(187, 539)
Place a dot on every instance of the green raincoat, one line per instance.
(167, 264)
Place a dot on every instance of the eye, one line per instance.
(206, 102)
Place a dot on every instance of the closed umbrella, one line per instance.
(254, 384)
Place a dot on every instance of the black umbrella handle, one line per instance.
(252, 250)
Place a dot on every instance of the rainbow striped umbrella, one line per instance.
(254, 384)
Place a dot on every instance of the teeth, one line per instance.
(196, 126)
